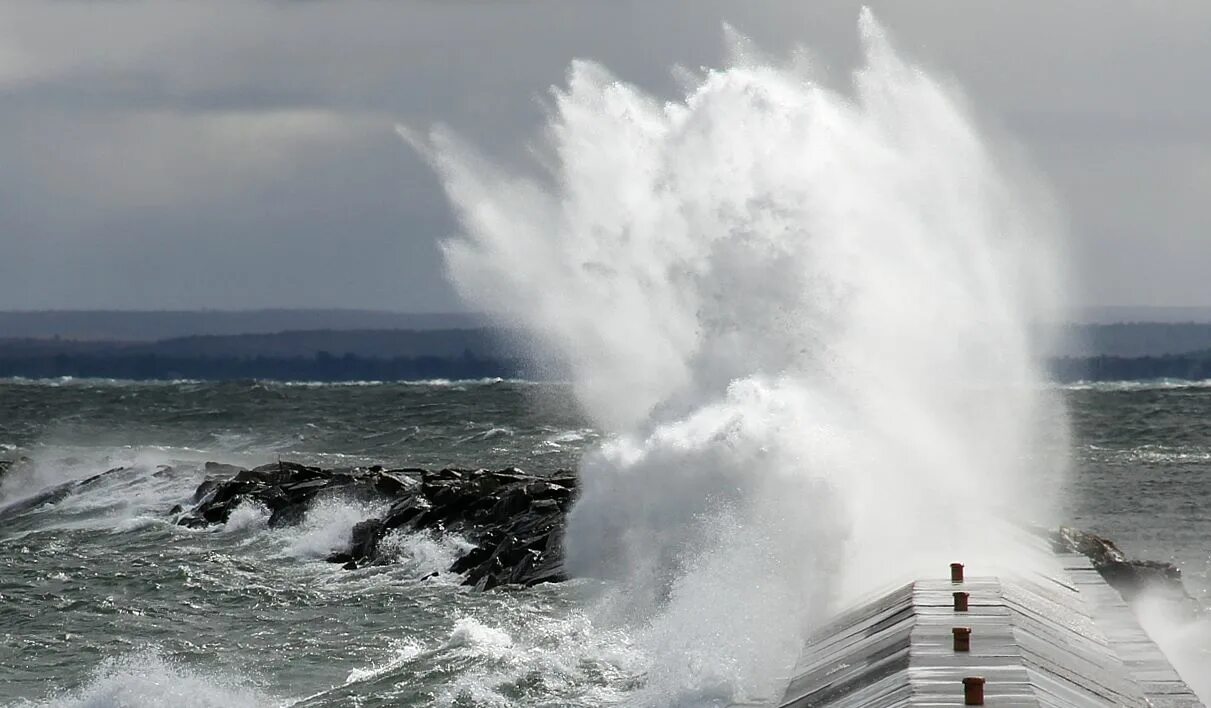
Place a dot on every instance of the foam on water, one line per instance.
(801, 315)
(1150, 385)
(405, 651)
(247, 516)
(147, 679)
(568, 657)
(421, 553)
(327, 526)
(131, 494)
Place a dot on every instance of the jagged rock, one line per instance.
(515, 520)
(1129, 577)
(398, 482)
(289, 515)
(52, 495)
(47, 496)
(97, 477)
(219, 469)
(279, 473)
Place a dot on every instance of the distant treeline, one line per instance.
(148, 326)
(1135, 339)
(372, 343)
(394, 355)
(321, 367)
(1192, 367)
(324, 366)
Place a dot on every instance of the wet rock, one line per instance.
(363, 542)
(204, 489)
(289, 515)
(52, 495)
(279, 473)
(98, 477)
(398, 482)
(514, 520)
(221, 470)
(1129, 577)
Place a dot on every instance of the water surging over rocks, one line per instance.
(513, 520)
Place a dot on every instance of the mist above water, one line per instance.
(803, 316)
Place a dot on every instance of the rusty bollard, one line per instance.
(962, 637)
(956, 572)
(973, 691)
(961, 601)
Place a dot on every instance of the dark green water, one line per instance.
(105, 603)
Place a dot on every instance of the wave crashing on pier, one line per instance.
(805, 317)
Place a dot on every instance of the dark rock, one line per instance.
(289, 515)
(279, 473)
(515, 520)
(1129, 577)
(305, 487)
(47, 496)
(219, 469)
(204, 489)
(394, 483)
(363, 542)
(98, 477)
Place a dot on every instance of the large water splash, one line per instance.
(806, 318)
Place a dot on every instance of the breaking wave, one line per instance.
(802, 316)
(147, 679)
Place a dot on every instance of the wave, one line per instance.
(434, 383)
(147, 679)
(326, 527)
(82, 480)
(247, 516)
(424, 554)
(100, 382)
(1149, 385)
(520, 656)
(97, 382)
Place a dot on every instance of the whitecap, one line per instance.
(147, 679)
(405, 651)
(248, 515)
(422, 553)
(327, 526)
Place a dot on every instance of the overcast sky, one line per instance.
(226, 154)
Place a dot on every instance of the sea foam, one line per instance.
(147, 679)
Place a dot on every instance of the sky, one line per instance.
(231, 155)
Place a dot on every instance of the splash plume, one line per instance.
(805, 316)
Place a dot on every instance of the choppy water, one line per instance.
(104, 603)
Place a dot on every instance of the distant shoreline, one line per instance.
(324, 367)
(1089, 353)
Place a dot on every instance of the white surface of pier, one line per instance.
(1061, 638)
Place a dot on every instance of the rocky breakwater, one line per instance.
(1130, 577)
(514, 520)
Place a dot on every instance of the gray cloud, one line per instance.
(241, 154)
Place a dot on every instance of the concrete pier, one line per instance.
(1060, 638)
